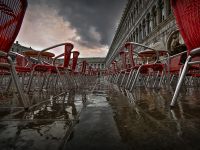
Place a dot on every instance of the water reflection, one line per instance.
(45, 126)
(144, 119)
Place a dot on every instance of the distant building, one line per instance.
(149, 22)
(95, 62)
(16, 47)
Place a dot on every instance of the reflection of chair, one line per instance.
(188, 19)
(12, 14)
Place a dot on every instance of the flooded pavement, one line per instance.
(105, 117)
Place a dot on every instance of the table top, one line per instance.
(152, 53)
(34, 53)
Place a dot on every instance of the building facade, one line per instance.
(94, 62)
(149, 22)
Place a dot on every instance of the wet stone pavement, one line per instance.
(103, 116)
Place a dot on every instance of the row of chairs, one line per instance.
(34, 74)
(133, 68)
(142, 68)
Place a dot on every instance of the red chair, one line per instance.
(114, 71)
(74, 60)
(144, 69)
(23, 69)
(187, 15)
(46, 70)
(123, 67)
(11, 17)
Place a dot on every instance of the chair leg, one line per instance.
(45, 77)
(180, 81)
(127, 82)
(161, 79)
(172, 78)
(23, 99)
(155, 80)
(30, 81)
(9, 84)
(136, 76)
(131, 78)
(118, 78)
(122, 81)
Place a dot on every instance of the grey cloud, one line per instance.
(102, 15)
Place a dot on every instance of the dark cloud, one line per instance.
(94, 20)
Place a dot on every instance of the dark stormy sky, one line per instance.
(89, 24)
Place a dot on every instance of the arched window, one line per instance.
(131, 16)
(148, 24)
(144, 28)
(136, 37)
(134, 12)
(140, 32)
(154, 16)
(137, 9)
(160, 9)
(140, 3)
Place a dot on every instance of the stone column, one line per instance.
(151, 22)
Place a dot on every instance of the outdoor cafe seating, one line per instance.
(35, 71)
(183, 66)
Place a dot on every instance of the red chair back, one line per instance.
(74, 60)
(187, 14)
(67, 54)
(21, 61)
(130, 48)
(114, 66)
(11, 17)
(83, 67)
(175, 63)
(123, 59)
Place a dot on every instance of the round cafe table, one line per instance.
(34, 53)
(152, 54)
(45, 56)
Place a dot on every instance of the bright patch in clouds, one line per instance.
(43, 27)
